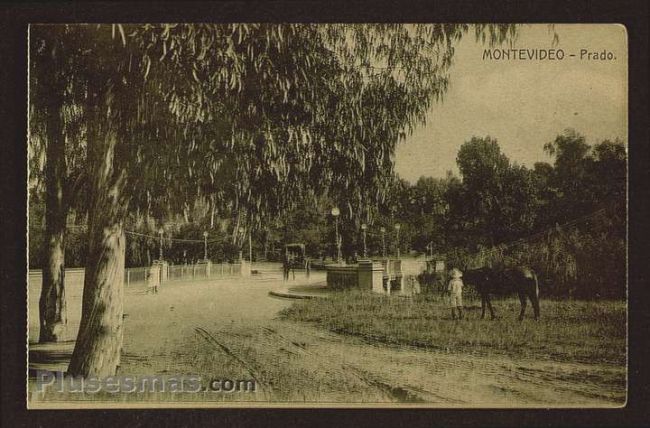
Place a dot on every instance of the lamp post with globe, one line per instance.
(241, 248)
(205, 245)
(160, 253)
(335, 213)
(397, 228)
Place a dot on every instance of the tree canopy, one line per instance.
(247, 116)
(229, 110)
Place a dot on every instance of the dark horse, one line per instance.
(289, 265)
(521, 280)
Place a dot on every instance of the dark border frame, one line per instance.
(14, 18)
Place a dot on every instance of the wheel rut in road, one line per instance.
(209, 338)
(397, 393)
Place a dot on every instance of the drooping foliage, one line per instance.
(225, 111)
(245, 115)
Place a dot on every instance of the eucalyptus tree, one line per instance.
(165, 126)
(251, 115)
(393, 73)
(56, 151)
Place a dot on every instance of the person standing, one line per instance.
(285, 266)
(455, 289)
(154, 279)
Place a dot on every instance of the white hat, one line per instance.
(455, 273)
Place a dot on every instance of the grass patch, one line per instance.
(569, 330)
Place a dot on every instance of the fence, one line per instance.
(185, 272)
(138, 275)
(202, 270)
(135, 275)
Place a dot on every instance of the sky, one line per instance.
(526, 103)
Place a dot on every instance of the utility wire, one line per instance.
(560, 227)
(144, 235)
(520, 241)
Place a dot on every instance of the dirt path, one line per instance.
(229, 330)
(321, 366)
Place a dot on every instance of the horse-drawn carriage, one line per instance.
(295, 258)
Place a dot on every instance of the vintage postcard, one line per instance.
(422, 215)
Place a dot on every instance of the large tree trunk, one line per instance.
(99, 343)
(52, 308)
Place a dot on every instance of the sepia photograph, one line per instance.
(347, 215)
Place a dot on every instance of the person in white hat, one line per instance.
(455, 289)
(153, 279)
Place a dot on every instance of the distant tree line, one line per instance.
(472, 219)
(494, 201)
(566, 219)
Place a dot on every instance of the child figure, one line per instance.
(154, 279)
(413, 285)
(455, 289)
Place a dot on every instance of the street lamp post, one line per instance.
(397, 228)
(241, 251)
(205, 246)
(383, 241)
(250, 247)
(160, 253)
(336, 213)
(365, 249)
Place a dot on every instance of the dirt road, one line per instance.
(227, 329)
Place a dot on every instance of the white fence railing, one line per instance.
(135, 275)
(139, 275)
(185, 272)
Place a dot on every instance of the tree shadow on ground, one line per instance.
(50, 356)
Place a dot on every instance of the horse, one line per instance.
(290, 264)
(287, 268)
(521, 280)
